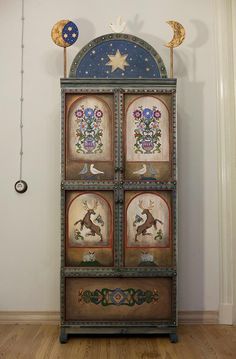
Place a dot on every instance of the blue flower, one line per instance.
(89, 112)
(147, 113)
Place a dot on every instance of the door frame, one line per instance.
(225, 49)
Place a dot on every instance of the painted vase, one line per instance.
(89, 143)
(147, 144)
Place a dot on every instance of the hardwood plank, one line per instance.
(223, 339)
(41, 342)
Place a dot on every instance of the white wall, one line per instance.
(30, 223)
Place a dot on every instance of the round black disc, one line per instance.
(21, 186)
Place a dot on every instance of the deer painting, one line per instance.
(149, 222)
(87, 222)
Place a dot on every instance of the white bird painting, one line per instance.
(84, 169)
(94, 170)
(152, 170)
(142, 171)
(119, 26)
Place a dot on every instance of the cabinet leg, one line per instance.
(63, 336)
(173, 338)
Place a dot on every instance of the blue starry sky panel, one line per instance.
(141, 64)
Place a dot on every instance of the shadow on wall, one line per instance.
(200, 40)
(87, 34)
(135, 27)
(191, 163)
(191, 179)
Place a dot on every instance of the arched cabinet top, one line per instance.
(133, 58)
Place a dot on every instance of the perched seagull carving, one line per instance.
(141, 171)
(119, 26)
(94, 171)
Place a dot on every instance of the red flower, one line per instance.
(79, 113)
(137, 114)
(157, 114)
(98, 113)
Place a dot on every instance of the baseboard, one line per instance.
(198, 317)
(39, 317)
(185, 317)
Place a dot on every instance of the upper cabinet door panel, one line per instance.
(148, 147)
(89, 137)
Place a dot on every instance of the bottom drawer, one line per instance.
(118, 299)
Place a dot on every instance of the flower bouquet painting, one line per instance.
(89, 132)
(147, 130)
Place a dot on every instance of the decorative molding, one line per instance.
(226, 155)
(53, 318)
(234, 155)
(39, 317)
(198, 317)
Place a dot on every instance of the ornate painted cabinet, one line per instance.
(118, 194)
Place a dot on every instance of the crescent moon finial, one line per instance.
(64, 33)
(179, 34)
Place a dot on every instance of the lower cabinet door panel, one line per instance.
(118, 299)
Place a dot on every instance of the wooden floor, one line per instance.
(41, 341)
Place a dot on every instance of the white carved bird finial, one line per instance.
(119, 26)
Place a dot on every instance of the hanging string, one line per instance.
(22, 87)
(21, 186)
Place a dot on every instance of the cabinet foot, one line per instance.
(173, 338)
(63, 337)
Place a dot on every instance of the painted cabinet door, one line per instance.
(89, 236)
(119, 299)
(148, 229)
(148, 137)
(90, 140)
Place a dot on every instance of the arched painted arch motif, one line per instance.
(89, 140)
(89, 221)
(89, 228)
(148, 217)
(118, 56)
(148, 231)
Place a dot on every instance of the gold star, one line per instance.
(65, 36)
(70, 28)
(74, 35)
(117, 61)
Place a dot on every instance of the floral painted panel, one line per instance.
(89, 229)
(118, 299)
(148, 229)
(147, 130)
(89, 130)
(147, 137)
(89, 133)
(118, 296)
